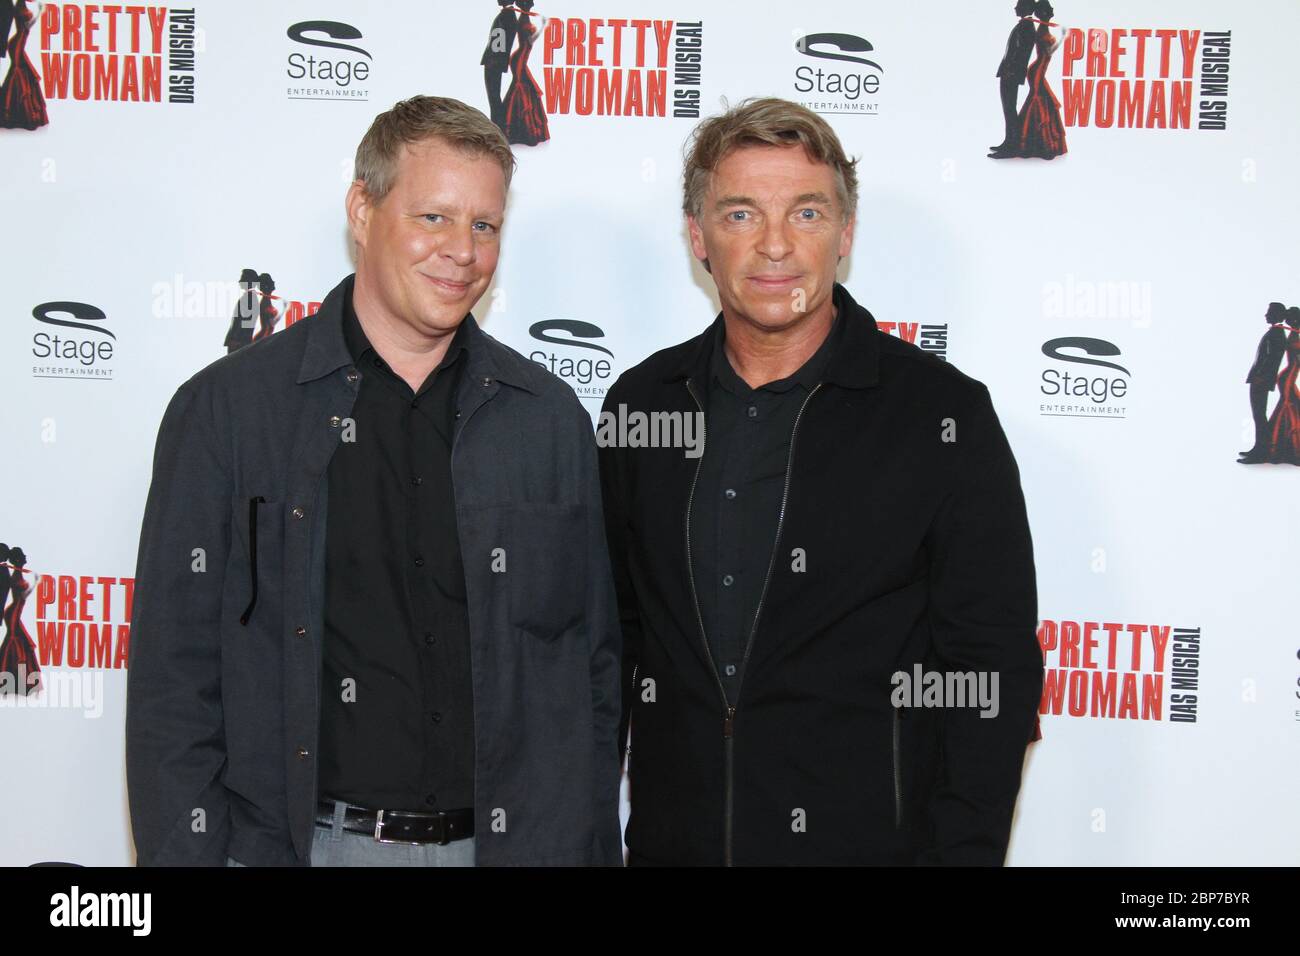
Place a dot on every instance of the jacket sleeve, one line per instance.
(614, 491)
(984, 616)
(175, 738)
(602, 621)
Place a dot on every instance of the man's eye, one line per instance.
(809, 215)
(738, 212)
(431, 216)
(487, 227)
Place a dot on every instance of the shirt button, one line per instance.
(419, 561)
(487, 380)
(436, 717)
(304, 752)
(730, 493)
(752, 411)
(429, 638)
(298, 512)
(416, 480)
(458, 413)
(378, 364)
(335, 421)
(728, 580)
(730, 670)
(353, 375)
(300, 630)
(431, 799)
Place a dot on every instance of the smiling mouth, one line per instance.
(448, 284)
(773, 281)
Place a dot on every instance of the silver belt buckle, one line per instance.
(379, 830)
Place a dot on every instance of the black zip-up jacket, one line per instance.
(902, 541)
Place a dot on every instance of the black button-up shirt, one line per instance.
(738, 496)
(397, 717)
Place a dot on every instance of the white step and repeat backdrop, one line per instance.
(1113, 300)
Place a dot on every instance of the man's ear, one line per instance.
(697, 242)
(697, 238)
(358, 205)
(846, 236)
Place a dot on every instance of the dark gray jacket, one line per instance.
(222, 717)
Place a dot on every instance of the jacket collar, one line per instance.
(327, 348)
(855, 363)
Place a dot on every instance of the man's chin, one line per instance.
(442, 321)
(443, 310)
(772, 316)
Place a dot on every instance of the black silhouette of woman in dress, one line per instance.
(525, 114)
(17, 652)
(246, 311)
(1042, 134)
(269, 314)
(1284, 424)
(22, 105)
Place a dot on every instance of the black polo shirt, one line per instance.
(738, 495)
(397, 716)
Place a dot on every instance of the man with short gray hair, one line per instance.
(856, 519)
(374, 622)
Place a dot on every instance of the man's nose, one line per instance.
(458, 245)
(774, 242)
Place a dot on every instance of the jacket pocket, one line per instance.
(258, 521)
(546, 567)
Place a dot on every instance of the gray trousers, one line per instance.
(334, 846)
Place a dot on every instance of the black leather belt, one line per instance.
(401, 826)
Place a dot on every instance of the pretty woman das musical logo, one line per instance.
(1120, 671)
(83, 621)
(589, 67)
(93, 52)
(1147, 78)
(1142, 78)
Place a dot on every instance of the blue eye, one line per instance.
(814, 212)
(737, 212)
(488, 225)
(430, 216)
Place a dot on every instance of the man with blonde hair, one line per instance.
(854, 526)
(374, 622)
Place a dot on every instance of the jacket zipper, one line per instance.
(690, 570)
(898, 780)
(729, 716)
(627, 751)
